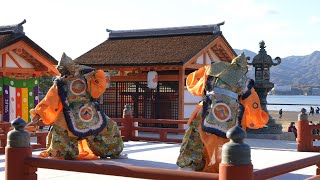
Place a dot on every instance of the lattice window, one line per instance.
(160, 103)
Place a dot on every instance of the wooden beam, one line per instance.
(191, 103)
(209, 54)
(4, 64)
(1, 108)
(38, 56)
(205, 59)
(14, 60)
(194, 66)
(121, 73)
(143, 77)
(138, 68)
(41, 68)
(18, 70)
(213, 52)
(181, 92)
(9, 48)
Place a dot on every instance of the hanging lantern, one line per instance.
(107, 74)
(152, 79)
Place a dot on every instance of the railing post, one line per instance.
(236, 157)
(17, 150)
(318, 168)
(127, 114)
(304, 135)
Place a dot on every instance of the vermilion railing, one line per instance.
(281, 169)
(305, 135)
(129, 129)
(118, 170)
(21, 165)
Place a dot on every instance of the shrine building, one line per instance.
(168, 55)
(22, 62)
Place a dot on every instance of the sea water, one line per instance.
(292, 103)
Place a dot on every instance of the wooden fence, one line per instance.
(129, 129)
(21, 165)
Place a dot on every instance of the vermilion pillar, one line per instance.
(304, 136)
(17, 150)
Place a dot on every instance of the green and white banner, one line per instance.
(19, 96)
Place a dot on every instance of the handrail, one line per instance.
(290, 104)
(118, 170)
(21, 165)
(128, 129)
(159, 121)
(285, 168)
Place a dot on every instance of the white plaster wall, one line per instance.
(22, 62)
(189, 98)
(208, 61)
(200, 59)
(10, 63)
(188, 110)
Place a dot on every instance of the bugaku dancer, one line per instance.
(79, 128)
(229, 100)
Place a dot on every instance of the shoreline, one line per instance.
(291, 116)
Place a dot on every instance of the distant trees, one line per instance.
(45, 83)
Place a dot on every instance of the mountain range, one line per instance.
(296, 71)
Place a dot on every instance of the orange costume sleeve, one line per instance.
(50, 107)
(196, 81)
(96, 82)
(254, 117)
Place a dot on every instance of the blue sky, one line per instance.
(289, 27)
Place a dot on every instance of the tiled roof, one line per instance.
(165, 46)
(14, 33)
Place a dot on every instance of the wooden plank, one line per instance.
(189, 103)
(138, 68)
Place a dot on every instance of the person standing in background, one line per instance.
(280, 113)
(292, 128)
(311, 111)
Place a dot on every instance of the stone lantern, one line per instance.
(262, 63)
